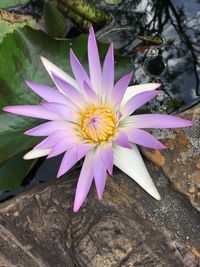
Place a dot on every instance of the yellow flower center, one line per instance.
(97, 123)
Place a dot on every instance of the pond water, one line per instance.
(175, 62)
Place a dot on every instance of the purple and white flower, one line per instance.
(90, 116)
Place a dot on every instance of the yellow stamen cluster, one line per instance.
(97, 123)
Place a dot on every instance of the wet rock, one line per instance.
(127, 228)
(181, 161)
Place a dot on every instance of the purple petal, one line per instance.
(90, 93)
(68, 161)
(94, 62)
(107, 156)
(143, 138)
(47, 93)
(73, 94)
(52, 68)
(84, 183)
(47, 128)
(137, 101)
(52, 140)
(83, 149)
(120, 88)
(122, 140)
(78, 70)
(63, 145)
(108, 72)
(60, 109)
(158, 121)
(99, 172)
(72, 156)
(33, 111)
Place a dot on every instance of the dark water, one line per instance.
(175, 63)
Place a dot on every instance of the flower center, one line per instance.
(97, 123)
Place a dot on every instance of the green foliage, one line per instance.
(7, 27)
(11, 3)
(13, 171)
(55, 22)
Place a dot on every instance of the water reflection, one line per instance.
(177, 64)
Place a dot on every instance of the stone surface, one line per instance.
(181, 161)
(127, 228)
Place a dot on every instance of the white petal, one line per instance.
(137, 89)
(37, 153)
(50, 67)
(131, 163)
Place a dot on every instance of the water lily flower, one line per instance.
(90, 116)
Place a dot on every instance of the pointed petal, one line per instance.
(122, 140)
(137, 89)
(37, 153)
(47, 93)
(78, 70)
(108, 72)
(120, 88)
(62, 146)
(72, 156)
(62, 110)
(73, 94)
(84, 183)
(47, 128)
(99, 173)
(52, 68)
(143, 138)
(158, 121)
(90, 93)
(52, 140)
(131, 163)
(107, 156)
(94, 62)
(137, 101)
(68, 161)
(33, 111)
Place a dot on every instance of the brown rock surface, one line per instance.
(128, 228)
(181, 161)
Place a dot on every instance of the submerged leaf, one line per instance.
(112, 2)
(157, 40)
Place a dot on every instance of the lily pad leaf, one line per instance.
(13, 171)
(7, 27)
(11, 3)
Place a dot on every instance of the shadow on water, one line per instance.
(174, 61)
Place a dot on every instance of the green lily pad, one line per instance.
(7, 27)
(11, 3)
(13, 171)
(19, 62)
